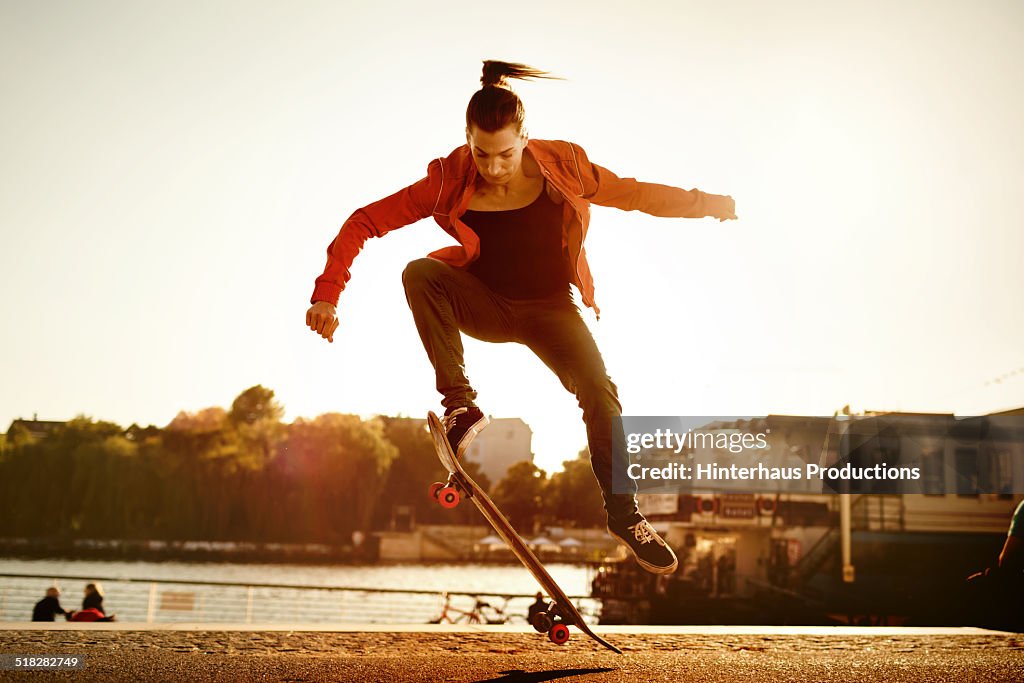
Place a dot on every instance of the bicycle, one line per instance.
(482, 613)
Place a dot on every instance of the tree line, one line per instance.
(243, 475)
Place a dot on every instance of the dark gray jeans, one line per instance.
(446, 301)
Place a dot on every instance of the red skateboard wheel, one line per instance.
(448, 497)
(435, 488)
(559, 634)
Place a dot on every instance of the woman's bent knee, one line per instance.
(421, 270)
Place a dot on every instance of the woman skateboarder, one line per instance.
(519, 209)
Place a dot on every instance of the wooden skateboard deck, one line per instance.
(567, 612)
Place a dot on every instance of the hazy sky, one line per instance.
(170, 177)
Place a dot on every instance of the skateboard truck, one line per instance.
(448, 494)
(552, 623)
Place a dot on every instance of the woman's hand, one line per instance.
(322, 318)
(730, 212)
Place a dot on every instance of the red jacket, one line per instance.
(445, 193)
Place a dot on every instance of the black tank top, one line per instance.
(521, 253)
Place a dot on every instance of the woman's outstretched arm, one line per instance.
(603, 187)
(404, 207)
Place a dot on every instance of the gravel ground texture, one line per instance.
(483, 654)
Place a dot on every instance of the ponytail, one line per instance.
(498, 73)
(495, 106)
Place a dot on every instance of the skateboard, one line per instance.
(561, 613)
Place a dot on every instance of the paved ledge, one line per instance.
(859, 631)
(374, 652)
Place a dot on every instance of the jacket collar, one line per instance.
(543, 151)
(547, 153)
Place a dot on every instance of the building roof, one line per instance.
(36, 428)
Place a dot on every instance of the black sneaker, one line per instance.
(461, 425)
(650, 550)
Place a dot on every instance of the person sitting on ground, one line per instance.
(93, 597)
(92, 606)
(48, 607)
(539, 605)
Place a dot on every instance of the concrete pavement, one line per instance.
(302, 652)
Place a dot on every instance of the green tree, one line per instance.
(412, 471)
(58, 480)
(18, 436)
(466, 513)
(335, 467)
(256, 417)
(204, 458)
(572, 497)
(140, 434)
(519, 495)
(142, 487)
(102, 473)
(254, 405)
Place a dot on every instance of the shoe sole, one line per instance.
(471, 433)
(647, 566)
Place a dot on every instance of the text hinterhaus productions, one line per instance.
(760, 472)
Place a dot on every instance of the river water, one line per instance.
(152, 594)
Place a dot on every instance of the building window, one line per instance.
(994, 472)
(886, 454)
(931, 473)
(967, 472)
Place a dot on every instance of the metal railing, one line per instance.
(175, 601)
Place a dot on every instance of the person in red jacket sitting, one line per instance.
(92, 606)
(519, 209)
